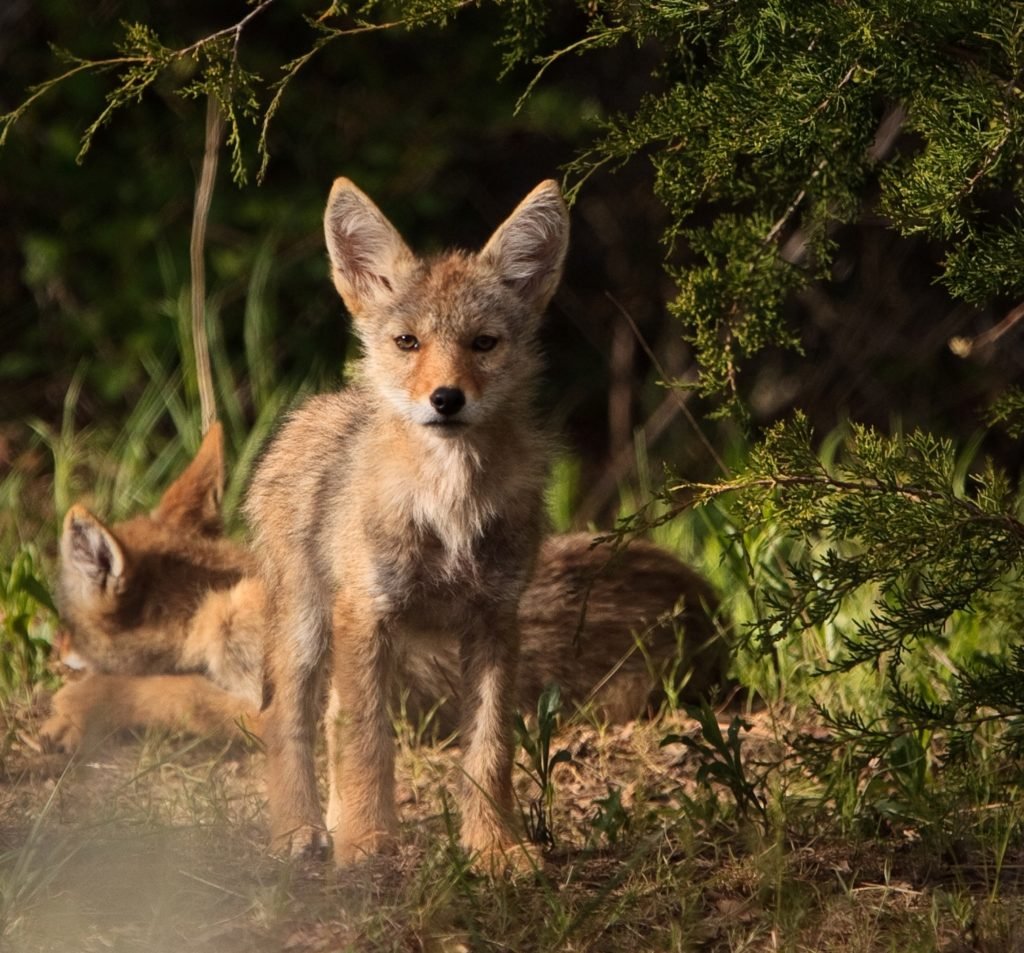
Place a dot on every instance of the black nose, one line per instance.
(448, 400)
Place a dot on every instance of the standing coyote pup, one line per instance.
(407, 509)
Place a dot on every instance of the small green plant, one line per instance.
(907, 767)
(27, 617)
(542, 763)
(610, 817)
(721, 760)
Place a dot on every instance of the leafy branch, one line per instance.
(143, 57)
(894, 517)
(886, 546)
(769, 120)
(600, 38)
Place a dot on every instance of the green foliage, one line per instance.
(1008, 411)
(611, 819)
(767, 125)
(541, 763)
(27, 621)
(722, 761)
(733, 297)
(902, 557)
(889, 566)
(777, 122)
(142, 58)
(562, 493)
(97, 253)
(875, 771)
(893, 513)
(210, 67)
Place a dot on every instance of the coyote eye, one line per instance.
(484, 342)
(407, 342)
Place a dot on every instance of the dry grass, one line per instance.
(157, 844)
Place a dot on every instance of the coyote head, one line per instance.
(127, 592)
(449, 342)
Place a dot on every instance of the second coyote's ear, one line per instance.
(90, 555)
(368, 256)
(192, 502)
(529, 247)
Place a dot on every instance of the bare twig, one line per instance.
(292, 68)
(589, 40)
(674, 391)
(234, 30)
(828, 99)
(197, 247)
(794, 205)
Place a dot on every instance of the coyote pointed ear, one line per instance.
(192, 502)
(528, 249)
(90, 553)
(368, 256)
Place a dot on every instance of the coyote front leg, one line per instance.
(291, 693)
(361, 750)
(489, 654)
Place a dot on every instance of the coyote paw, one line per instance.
(511, 860)
(61, 734)
(75, 716)
(349, 850)
(307, 842)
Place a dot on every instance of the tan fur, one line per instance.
(86, 711)
(146, 581)
(382, 521)
(648, 623)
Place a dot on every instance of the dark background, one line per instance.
(94, 256)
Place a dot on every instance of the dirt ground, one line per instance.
(158, 844)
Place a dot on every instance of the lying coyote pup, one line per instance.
(167, 618)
